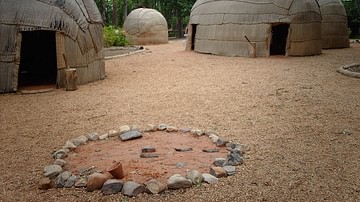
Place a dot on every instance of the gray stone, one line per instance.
(45, 183)
(93, 136)
(95, 181)
(219, 161)
(197, 132)
(59, 182)
(80, 182)
(69, 145)
(181, 165)
(112, 186)
(79, 140)
(212, 150)
(221, 142)
(195, 177)
(88, 171)
(135, 128)
(65, 175)
(113, 133)
(237, 148)
(162, 126)
(154, 187)
(124, 129)
(61, 179)
(171, 129)
(185, 130)
(233, 159)
(60, 154)
(104, 136)
(70, 181)
(208, 178)
(131, 189)
(148, 149)
(130, 135)
(210, 132)
(178, 182)
(184, 149)
(149, 155)
(214, 138)
(60, 162)
(230, 170)
(52, 171)
(150, 128)
(218, 172)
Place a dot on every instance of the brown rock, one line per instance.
(96, 181)
(218, 172)
(45, 183)
(154, 187)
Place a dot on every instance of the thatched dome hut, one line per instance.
(38, 36)
(285, 27)
(146, 26)
(334, 24)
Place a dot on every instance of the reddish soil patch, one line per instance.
(102, 154)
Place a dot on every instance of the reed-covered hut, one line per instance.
(334, 24)
(38, 36)
(255, 28)
(146, 26)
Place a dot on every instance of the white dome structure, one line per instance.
(146, 26)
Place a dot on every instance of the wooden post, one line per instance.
(252, 50)
(70, 79)
(252, 47)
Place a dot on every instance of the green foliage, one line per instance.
(114, 36)
(353, 12)
(176, 12)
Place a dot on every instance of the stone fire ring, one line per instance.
(91, 179)
(352, 70)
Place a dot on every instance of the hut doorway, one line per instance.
(193, 34)
(278, 40)
(38, 66)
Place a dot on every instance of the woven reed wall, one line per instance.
(146, 26)
(334, 24)
(222, 25)
(79, 36)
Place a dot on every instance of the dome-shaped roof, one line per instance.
(222, 24)
(334, 24)
(62, 15)
(146, 26)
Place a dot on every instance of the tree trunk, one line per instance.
(125, 10)
(179, 24)
(115, 17)
(102, 10)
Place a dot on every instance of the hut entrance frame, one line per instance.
(193, 34)
(38, 62)
(279, 39)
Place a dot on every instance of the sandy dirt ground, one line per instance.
(299, 116)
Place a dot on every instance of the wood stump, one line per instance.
(70, 79)
(252, 49)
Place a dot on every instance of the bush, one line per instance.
(114, 37)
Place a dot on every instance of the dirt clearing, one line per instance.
(299, 116)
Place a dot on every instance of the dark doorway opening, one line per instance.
(279, 37)
(38, 66)
(193, 34)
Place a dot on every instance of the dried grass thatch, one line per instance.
(146, 26)
(222, 24)
(334, 24)
(78, 27)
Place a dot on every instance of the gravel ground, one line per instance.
(298, 115)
